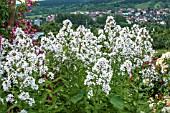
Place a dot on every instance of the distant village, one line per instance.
(149, 16)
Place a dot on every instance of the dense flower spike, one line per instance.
(101, 75)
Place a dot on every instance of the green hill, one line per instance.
(67, 6)
(69, 2)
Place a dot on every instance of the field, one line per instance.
(143, 5)
(35, 16)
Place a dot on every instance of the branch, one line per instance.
(12, 13)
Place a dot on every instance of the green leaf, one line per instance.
(77, 97)
(51, 107)
(58, 89)
(58, 109)
(15, 105)
(49, 91)
(57, 79)
(117, 102)
(66, 96)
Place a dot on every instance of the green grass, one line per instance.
(34, 16)
(143, 5)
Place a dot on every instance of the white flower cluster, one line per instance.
(162, 68)
(164, 101)
(126, 66)
(29, 81)
(101, 75)
(161, 62)
(19, 60)
(26, 97)
(127, 45)
(131, 46)
(10, 98)
(81, 43)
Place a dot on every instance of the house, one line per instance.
(162, 22)
(164, 13)
(50, 18)
(37, 22)
(144, 11)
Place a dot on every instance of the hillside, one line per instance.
(67, 6)
(69, 2)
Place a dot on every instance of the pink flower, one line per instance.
(11, 1)
(11, 40)
(34, 42)
(28, 1)
(28, 4)
(30, 10)
(9, 27)
(18, 22)
(0, 39)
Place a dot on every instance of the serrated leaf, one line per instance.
(77, 97)
(117, 102)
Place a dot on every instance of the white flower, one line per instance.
(51, 75)
(127, 66)
(40, 81)
(10, 98)
(90, 94)
(2, 100)
(151, 105)
(24, 96)
(106, 88)
(19, 32)
(166, 55)
(23, 111)
(6, 84)
(145, 81)
(29, 81)
(166, 110)
(34, 86)
(31, 101)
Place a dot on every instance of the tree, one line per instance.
(77, 19)
(12, 8)
(50, 27)
(12, 17)
(167, 20)
(120, 19)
